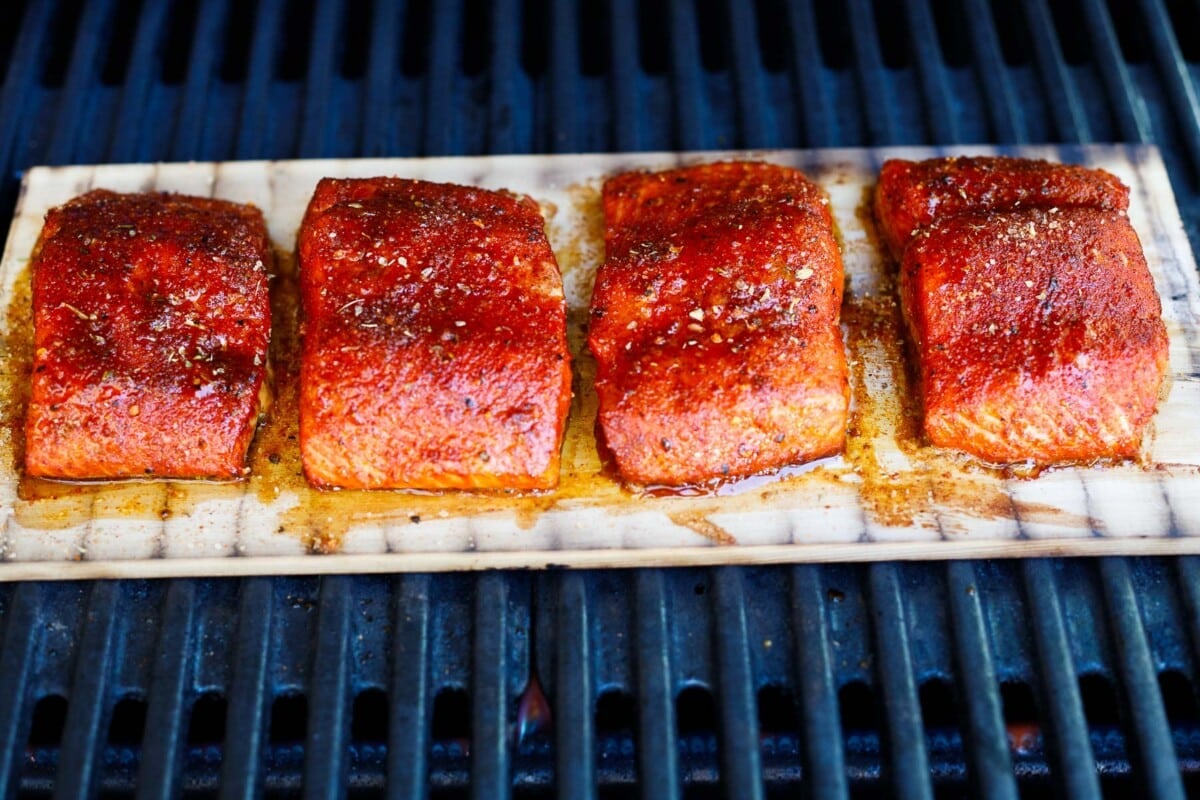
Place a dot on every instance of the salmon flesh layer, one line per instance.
(434, 352)
(151, 327)
(715, 324)
(1037, 330)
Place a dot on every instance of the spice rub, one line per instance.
(151, 326)
(714, 323)
(434, 348)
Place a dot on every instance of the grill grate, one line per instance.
(1043, 678)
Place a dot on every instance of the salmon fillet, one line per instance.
(1038, 334)
(151, 325)
(912, 194)
(434, 352)
(714, 323)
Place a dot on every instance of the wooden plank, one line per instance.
(885, 501)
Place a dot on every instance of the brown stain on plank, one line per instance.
(704, 526)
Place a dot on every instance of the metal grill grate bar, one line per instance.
(809, 76)
(410, 697)
(1153, 736)
(1188, 576)
(22, 613)
(1133, 122)
(318, 118)
(1060, 689)
(193, 135)
(873, 79)
(81, 80)
(167, 712)
(325, 764)
(135, 94)
(21, 78)
(909, 759)
(83, 736)
(987, 739)
(1180, 84)
(1066, 106)
(574, 699)
(1007, 119)
(658, 752)
(623, 68)
(249, 693)
(741, 766)
(935, 85)
(440, 95)
(820, 726)
(255, 122)
(381, 66)
(490, 756)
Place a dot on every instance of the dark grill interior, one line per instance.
(1038, 679)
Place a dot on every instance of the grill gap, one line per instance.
(11, 18)
(1131, 34)
(891, 30)
(1066, 14)
(451, 715)
(235, 51)
(776, 711)
(1179, 697)
(595, 38)
(120, 42)
(939, 712)
(616, 714)
(127, 726)
(1099, 699)
(177, 45)
(49, 719)
(418, 30)
(774, 45)
(356, 33)
(712, 29)
(369, 717)
(206, 723)
(1185, 19)
(477, 21)
(1009, 22)
(535, 18)
(1021, 720)
(289, 719)
(296, 31)
(695, 712)
(953, 37)
(61, 41)
(833, 34)
(653, 38)
(857, 705)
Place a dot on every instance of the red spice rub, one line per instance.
(151, 326)
(434, 352)
(1037, 332)
(715, 324)
(912, 194)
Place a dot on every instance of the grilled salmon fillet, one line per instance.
(714, 323)
(1038, 334)
(434, 339)
(912, 194)
(151, 326)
